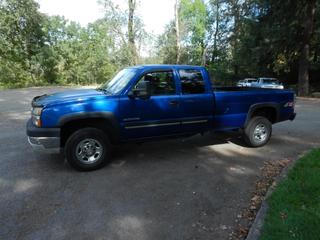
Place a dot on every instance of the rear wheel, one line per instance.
(258, 131)
(88, 149)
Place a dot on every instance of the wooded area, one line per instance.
(232, 38)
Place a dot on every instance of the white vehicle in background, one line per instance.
(247, 82)
(240, 83)
(265, 82)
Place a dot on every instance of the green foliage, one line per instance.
(194, 21)
(294, 209)
(21, 42)
(232, 38)
(167, 45)
(37, 49)
(193, 18)
(271, 40)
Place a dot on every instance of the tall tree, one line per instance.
(128, 30)
(177, 30)
(194, 21)
(167, 45)
(235, 34)
(278, 39)
(131, 33)
(218, 46)
(304, 59)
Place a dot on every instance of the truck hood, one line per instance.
(72, 95)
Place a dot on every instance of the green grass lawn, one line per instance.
(294, 206)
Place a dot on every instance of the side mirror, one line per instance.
(141, 90)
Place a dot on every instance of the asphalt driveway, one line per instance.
(189, 188)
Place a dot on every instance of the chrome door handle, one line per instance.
(173, 102)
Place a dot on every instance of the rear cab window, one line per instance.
(192, 81)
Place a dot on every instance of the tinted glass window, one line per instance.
(191, 81)
(161, 83)
(270, 81)
(252, 80)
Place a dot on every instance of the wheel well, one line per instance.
(70, 127)
(268, 112)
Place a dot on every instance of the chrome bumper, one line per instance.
(45, 144)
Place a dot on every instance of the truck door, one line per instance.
(196, 102)
(154, 116)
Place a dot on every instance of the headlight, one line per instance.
(36, 115)
(36, 111)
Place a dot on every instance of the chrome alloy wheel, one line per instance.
(89, 151)
(260, 133)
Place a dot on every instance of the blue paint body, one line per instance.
(216, 109)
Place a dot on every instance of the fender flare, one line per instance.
(254, 107)
(108, 116)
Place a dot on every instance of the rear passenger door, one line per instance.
(196, 101)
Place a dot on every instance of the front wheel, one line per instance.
(258, 131)
(87, 149)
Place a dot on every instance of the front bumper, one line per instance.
(49, 145)
(292, 116)
(45, 140)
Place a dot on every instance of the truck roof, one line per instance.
(152, 66)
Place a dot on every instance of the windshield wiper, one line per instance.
(103, 90)
(100, 89)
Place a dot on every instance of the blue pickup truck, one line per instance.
(148, 102)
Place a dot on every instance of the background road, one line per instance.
(189, 188)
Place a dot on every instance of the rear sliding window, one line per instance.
(191, 81)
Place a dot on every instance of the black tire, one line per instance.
(82, 137)
(251, 137)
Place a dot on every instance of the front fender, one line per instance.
(110, 120)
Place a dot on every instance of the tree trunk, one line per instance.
(216, 31)
(304, 71)
(177, 28)
(303, 88)
(131, 37)
(204, 56)
(235, 37)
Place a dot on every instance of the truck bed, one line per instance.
(232, 104)
(238, 89)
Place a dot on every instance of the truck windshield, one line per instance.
(119, 81)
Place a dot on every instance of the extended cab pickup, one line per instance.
(147, 102)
